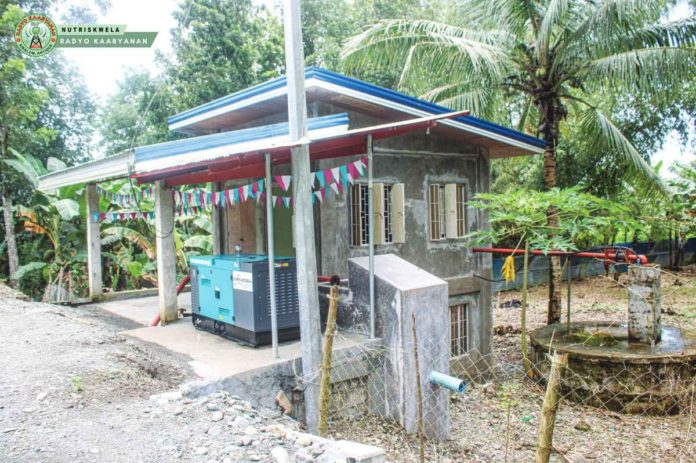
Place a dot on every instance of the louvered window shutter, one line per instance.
(398, 216)
(378, 219)
(451, 211)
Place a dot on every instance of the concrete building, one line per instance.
(423, 181)
(424, 173)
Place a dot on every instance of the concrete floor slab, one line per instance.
(142, 309)
(212, 357)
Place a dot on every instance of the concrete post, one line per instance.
(94, 264)
(166, 252)
(644, 305)
(303, 218)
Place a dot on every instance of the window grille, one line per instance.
(437, 211)
(360, 219)
(359, 215)
(388, 237)
(461, 210)
(459, 329)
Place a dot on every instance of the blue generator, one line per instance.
(230, 297)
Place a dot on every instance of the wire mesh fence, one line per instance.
(633, 407)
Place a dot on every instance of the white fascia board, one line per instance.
(99, 170)
(220, 152)
(417, 112)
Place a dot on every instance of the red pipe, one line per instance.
(179, 288)
(609, 254)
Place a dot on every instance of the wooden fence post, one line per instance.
(548, 410)
(324, 392)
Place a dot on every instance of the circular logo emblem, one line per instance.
(36, 35)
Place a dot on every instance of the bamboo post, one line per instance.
(548, 410)
(523, 316)
(419, 393)
(326, 364)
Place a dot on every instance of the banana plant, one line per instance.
(54, 217)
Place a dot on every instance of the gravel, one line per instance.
(72, 389)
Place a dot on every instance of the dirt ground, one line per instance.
(73, 389)
(498, 421)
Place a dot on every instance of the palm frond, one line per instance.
(555, 11)
(513, 16)
(426, 45)
(645, 67)
(605, 136)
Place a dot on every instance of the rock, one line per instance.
(280, 455)
(304, 457)
(215, 430)
(275, 430)
(282, 401)
(178, 411)
(212, 406)
(316, 450)
(240, 422)
(245, 440)
(201, 450)
(217, 416)
(581, 425)
(94, 450)
(250, 431)
(41, 395)
(304, 440)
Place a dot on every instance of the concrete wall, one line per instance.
(416, 160)
(403, 291)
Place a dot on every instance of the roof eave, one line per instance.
(108, 168)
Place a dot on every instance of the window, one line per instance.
(461, 210)
(448, 217)
(387, 209)
(388, 212)
(459, 329)
(358, 215)
(437, 211)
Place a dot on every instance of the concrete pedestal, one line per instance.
(402, 289)
(644, 305)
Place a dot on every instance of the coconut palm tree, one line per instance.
(549, 59)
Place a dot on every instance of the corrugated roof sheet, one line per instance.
(384, 96)
(210, 147)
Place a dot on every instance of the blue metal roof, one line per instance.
(363, 87)
(188, 145)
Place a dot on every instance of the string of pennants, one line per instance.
(333, 180)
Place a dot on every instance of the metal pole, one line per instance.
(371, 235)
(303, 218)
(271, 256)
(569, 277)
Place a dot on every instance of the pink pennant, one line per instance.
(254, 187)
(328, 176)
(353, 171)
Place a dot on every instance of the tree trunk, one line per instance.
(550, 130)
(12, 257)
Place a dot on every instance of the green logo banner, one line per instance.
(37, 35)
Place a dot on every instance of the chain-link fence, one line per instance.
(618, 402)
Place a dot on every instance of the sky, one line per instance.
(103, 68)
